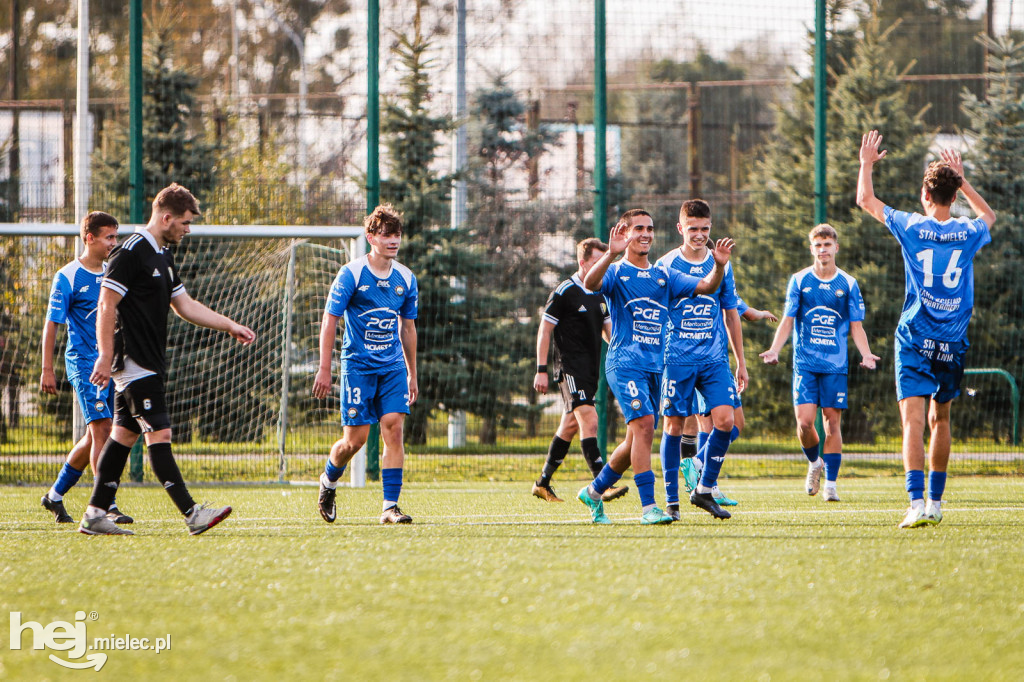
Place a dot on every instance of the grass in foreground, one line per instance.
(491, 583)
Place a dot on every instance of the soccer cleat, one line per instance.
(101, 525)
(546, 493)
(60, 514)
(395, 515)
(119, 517)
(915, 518)
(596, 506)
(706, 501)
(691, 474)
(326, 503)
(932, 515)
(830, 494)
(722, 499)
(614, 493)
(655, 517)
(203, 518)
(673, 511)
(814, 471)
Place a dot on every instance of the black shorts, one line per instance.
(141, 407)
(576, 391)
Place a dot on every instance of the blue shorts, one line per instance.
(819, 388)
(636, 390)
(929, 368)
(365, 397)
(700, 404)
(681, 381)
(96, 402)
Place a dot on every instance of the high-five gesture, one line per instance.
(723, 250)
(869, 144)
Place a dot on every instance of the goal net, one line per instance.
(237, 412)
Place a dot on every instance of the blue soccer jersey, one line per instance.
(697, 333)
(938, 260)
(73, 299)
(638, 303)
(371, 307)
(822, 310)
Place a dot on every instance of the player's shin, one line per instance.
(166, 471)
(670, 458)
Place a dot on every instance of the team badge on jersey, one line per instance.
(100, 406)
(635, 404)
(352, 412)
(399, 290)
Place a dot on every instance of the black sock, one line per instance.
(557, 451)
(592, 454)
(688, 446)
(168, 474)
(111, 463)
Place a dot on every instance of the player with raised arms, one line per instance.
(73, 299)
(639, 295)
(824, 307)
(931, 337)
(140, 287)
(378, 298)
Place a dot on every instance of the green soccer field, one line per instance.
(490, 583)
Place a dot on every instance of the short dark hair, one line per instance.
(384, 220)
(694, 208)
(585, 249)
(942, 182)
(824, 230)
(175, 199)
(632, 213)
(96, 221)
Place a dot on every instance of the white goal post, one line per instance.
(275, 299)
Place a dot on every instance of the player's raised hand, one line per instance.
(723, 250)
(48, 382)
(869, 360)
(952, 157)
(770, 357)
(869, 144)
(619, 238)
(322, 384)
(241, 333)
(540, 382)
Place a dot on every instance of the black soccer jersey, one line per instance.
(147, 279)
(578, 316)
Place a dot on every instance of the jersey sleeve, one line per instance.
(741, 306)
(792, 297)
(178, 287)
(608, 281)
(984, 235)
(410, 306)
(553, 308)
(341, 292)
(855, 302)
(729, 299)
(896, 222)
(680, 285)
(122, 269)
(60, 299)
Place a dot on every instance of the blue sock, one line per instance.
(811, 453)
(670, 458)
(391, 480)
(66, 479)
(606, 479)
(735, 434)
(645, 485)
(333, 473)
(915, 484)
(936, 485)
(833, 461)
(718, 445)
(702, 446)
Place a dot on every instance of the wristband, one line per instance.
(542, 369)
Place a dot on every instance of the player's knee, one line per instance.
(674, 426)
(643, 427)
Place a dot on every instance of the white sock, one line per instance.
(701, 488)
(935, 505)
(593, 495)
(92, 512)
(326, 482)
(388, 505)
(917, 504)
(54, 495)
(831, 485)
(649, 507)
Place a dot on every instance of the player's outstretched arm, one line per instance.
(191, 310)
(328, 332)
(409, 341)
(106, 316)
(975, 200)
(734, 330)
(868, 359)
(47, 379)
(869, 156)
(771, 356)
(540, 379)
(753, 315)
(722, 252)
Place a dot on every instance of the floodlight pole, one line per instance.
(601, 197)
(820, 158)
(457, 418)
(373, 173)
(136, 178)
(81, 161)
